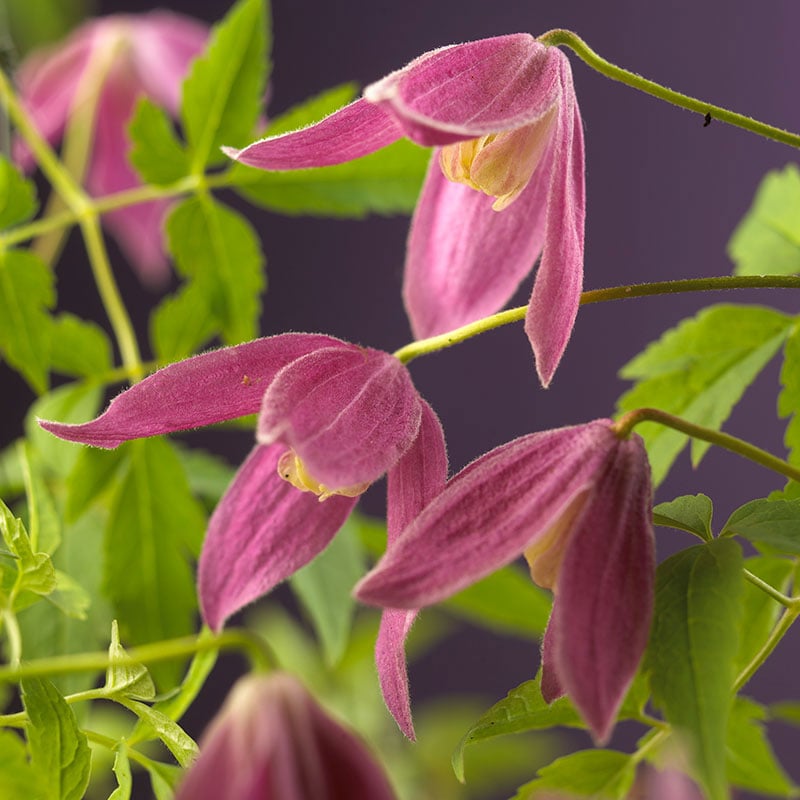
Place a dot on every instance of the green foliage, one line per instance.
(219, 251)
(772, 522)
(156, 152)
(126, 680)
(79, 347)
(122, 769)
(91, 473)
(699, 371)
(17, 195)
(182, 324)
(154, 526)
(18, 779)
(690, 513)
(59, 750)
(767, 240)
(789, 398)
(177, 741)
(693, 646)
(223, 92)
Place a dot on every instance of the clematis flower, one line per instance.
(505, 185)
(333, 418)
(577, 503)
(122, 58)
(272, 741)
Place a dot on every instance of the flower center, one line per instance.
(292, 469)
(500, 164)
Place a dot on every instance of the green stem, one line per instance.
(598, 63)
(778, 632)
(13, 635)
(725, 282)
(767, 588)
(113, 744)
(626, 423)
(253, 646)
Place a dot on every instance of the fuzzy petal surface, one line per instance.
(348, 412)
(261, 532)
(487, 515)
(212, 387)
(354, 131)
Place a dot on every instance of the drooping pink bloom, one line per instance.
(273, 741)
(333, 418)
(130, 56)
(505, 185)
(577, 503)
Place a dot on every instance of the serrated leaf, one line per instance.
(156, 152)
(587, 773)
(59, 749)
(182, 323)
(219, 250)
(789, 397)
(79, 347)
(35, 571)
(324, 588)
(691, 513)
(27, 291)
(752, 764)
(122, 769)
(692, 651)
(17, 195)
(699, 371)
(18, 779)
(126, 680)
(310, 111)
(154, 526)
(767, 240)
(223, 92)
(177, 741)
(772, 522)
(91, 473)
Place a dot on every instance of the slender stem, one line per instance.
(598, 63)
(767, 588)
(626, 423)
(13, 635)
(113, 744)
(778, 632)
(725, 282)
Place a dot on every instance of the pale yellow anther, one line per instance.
(291, 469)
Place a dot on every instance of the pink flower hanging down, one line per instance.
(272, 741)
(505, 185)
(131, 56)
(333, 418)
(577, 503)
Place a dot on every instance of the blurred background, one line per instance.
(664, 195)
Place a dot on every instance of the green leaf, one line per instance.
(17, 195)
(772, 522)
(156, 152)
(69, 597)
(79, 347)
(767, 240)
(44, 522)
(324, 588)
(692, 651)
(587, 773)
(789, 398)
(126, 680)
(122, 769)
(698, 371)
(182, 323)
(209, 475)
(18, 779)
(691, 513)
(751, 763)
(154, 525)
(219, 250)
(506, 600)
(163, 778)
(59, 750)
(308, 112)
(35, 571)
(91, 473)
(177, 741)
(787, 711)
(26, 293)
(222, 94)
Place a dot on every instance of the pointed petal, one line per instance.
(604, 598)
(559, 280)
(550, 685)
(212, 387)
(470, 90)
(464, 260)
(262, 531)
(353, 131)
(487, 515)
(390, 660)
(348, 412)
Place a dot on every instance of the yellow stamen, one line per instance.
(292, 469)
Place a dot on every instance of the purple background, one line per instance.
(664, 194)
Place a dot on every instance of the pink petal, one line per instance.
(487, 515)
(353, 131)
(212, 387)
(604, 598)
(262, 531)
(390, 660)
(348, 412)
(559, 279)
(550, 685)
(473, 89)
(464, 260)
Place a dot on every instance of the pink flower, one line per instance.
(505, 185)
(577, 503)
(272, 741)
(333, 418)
(130, 56)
